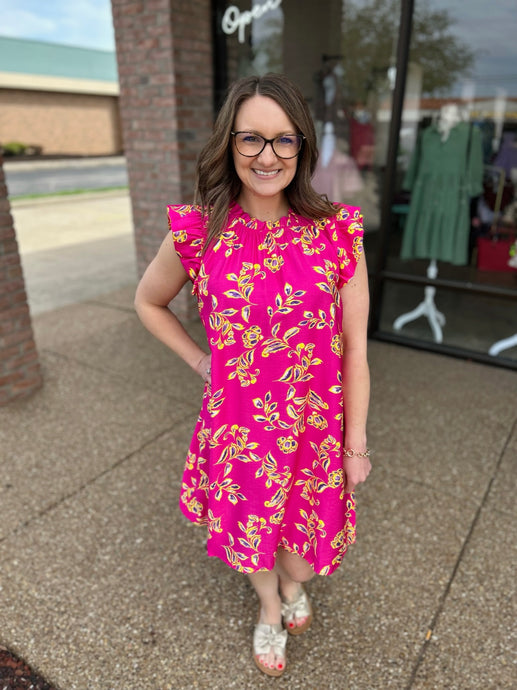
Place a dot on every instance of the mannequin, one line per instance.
(450, 116)
(336, 173)
(446, 169)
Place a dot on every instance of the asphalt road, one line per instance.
(49, 177)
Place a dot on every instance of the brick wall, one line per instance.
(62, 123)
(164, 56)
(19, 366)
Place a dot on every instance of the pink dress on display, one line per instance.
(265, 465)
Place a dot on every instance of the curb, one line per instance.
(13, 166)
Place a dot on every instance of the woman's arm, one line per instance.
(356, 375)
(161, 282)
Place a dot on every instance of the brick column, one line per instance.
(19, 366)
(164, 54)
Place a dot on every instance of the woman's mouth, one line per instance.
(266, 173)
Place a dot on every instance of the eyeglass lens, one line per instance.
(285, 146)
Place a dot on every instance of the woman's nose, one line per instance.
(267, 155)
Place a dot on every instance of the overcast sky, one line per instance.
(85, 23)
(488, 27)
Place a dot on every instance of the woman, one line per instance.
(282, 288)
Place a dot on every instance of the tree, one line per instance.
(370, 32)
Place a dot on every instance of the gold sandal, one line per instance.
(299, 608)
(266, 638)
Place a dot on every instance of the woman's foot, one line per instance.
(296, 610)
(269, 641)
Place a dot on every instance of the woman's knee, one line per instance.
(294, 566)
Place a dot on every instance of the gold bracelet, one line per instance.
(350, 453)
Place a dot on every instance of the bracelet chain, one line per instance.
(350, 452)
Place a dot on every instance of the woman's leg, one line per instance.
(293, 567)
(292, 571)
(266, 583)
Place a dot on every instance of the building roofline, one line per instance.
(38, 82)
(28, 58)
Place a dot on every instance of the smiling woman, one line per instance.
(282, 289)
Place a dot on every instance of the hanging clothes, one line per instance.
(442, 177)
(507, 155)
(339, 178)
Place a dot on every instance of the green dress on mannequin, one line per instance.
(442, 177)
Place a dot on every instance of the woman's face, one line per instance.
(264, 177)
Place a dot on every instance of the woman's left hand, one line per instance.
(356, 471)
(204, 368)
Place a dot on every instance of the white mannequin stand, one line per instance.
(426, 308)
(501, 345)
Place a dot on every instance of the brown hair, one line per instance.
(218, 184)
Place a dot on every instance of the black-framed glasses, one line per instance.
(284, 146)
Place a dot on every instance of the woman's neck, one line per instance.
(266, 209)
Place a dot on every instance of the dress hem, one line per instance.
(325, 571)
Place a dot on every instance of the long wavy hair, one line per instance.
(217, 183)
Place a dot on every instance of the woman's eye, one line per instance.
(250, 138)
(286, 141)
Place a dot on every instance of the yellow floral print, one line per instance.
(265, 465)
(287, 444)
(252, 336)
(274, 263)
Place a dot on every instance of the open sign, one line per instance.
(235, 20)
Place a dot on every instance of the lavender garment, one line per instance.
(507, 156)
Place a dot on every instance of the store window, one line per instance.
(450, 273)
(439, 209)
(316, 45)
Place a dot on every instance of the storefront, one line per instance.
(415, 105)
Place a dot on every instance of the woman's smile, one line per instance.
(266, 173)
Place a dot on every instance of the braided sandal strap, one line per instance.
(299, 608)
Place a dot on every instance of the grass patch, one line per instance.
(66, 192)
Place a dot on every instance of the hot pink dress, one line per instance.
(265, 465)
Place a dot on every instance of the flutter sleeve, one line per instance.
(188, 234)
(347, 237)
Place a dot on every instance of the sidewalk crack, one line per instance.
(466, 542)
(62, 499)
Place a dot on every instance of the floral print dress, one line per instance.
(265, 465)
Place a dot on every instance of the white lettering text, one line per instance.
(234, 19)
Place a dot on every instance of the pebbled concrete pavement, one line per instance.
(105, 586)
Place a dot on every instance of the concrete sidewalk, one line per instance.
(74, 247)
(105, 586)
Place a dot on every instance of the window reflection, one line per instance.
(455, 209)
(454, 213)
